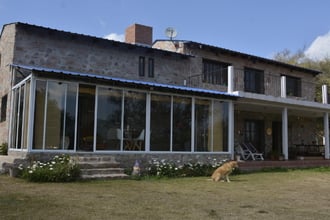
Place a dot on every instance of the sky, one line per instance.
(257, 27)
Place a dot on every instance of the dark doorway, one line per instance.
(277, 137)
(254, 133)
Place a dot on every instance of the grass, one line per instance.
(299, 194)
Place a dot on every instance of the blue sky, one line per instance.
(258, 27)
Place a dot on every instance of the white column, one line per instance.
(324, 94)
(285, 133)
(231, 134)
(326, 135)
(283, 86)
(230, 79)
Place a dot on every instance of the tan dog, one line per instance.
(224, 170)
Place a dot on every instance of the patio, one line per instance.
(306, 162)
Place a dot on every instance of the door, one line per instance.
(254, 133)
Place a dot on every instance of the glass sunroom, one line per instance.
(55, 110)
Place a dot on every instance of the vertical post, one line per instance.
(231, 129)
(324, 94)
(283, 86)
(230, 79)
(326, 135)
(285, 133)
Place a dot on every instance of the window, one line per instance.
(254, 80)
(3, 108)
(54, 119)
(215, 72)
(151, 67)
(293, 86)
(141, 66)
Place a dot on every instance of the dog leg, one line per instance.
(227, 178)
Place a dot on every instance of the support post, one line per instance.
(285, 133)
(230, 88)
(231, 134)
(326, 135)
(283, 86)
(324, 94)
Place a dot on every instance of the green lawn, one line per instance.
(272, 195)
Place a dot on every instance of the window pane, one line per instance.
(70, 116)
(134, 120)
(26, 115)
(141, 66)
(160, 120)
(203, 119)
(15, 115)
(220, 126)
(109, 119)
(55, 115)
(86, 114)
(39, 115)
(181, 124)
(151, 67)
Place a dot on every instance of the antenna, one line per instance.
(171, 32)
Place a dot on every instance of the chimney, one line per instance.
(139, 34)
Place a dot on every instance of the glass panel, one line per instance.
(15, 115)
(86, 114)
(160, 119)
(55, 115)
(181, 124)
(20, 118)
(203, 119)
(109, 113)
(70, 116)
(26, 115)
(220, 126)
(39, 112)
(134, 120)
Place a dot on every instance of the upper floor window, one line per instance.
(293, 86)
(141, 66)
(151, 67)
(254, 80)
(215, 72)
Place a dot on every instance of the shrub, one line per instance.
(170, 169)
(4, 149)
(59, 169)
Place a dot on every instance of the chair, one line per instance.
(255, 155)
(245, 153)
(139, 140)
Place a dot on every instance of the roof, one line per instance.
(48, 72)
(91, 39)
(247, 56)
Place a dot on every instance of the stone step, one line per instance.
(104, 176)
(102, 171)
(100, 167)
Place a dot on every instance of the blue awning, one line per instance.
(129, 82)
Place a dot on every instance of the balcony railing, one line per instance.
(269, 84)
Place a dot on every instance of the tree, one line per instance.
(299, 59)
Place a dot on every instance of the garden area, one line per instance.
(289, 194)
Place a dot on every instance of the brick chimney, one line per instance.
(139, 34)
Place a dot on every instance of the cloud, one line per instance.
(116, 37)
(320, 48)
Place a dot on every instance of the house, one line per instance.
(64, 92)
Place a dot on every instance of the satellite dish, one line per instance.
(171, 32)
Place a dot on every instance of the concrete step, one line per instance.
(100, 167)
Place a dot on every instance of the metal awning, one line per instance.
(63, 74)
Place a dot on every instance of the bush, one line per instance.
(169, 169)
(4, 149)
(59, 169)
